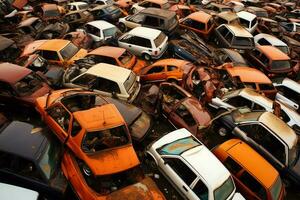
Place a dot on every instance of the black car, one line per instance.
(268, 135)
(110, 13)
(30, 157)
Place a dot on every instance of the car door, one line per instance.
(179, 173)
(154, 74)
(134, 21)
(60, 120)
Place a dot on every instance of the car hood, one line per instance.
(80, 54)
(112, 161)
(145, 189)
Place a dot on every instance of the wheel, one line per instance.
(122, 27)
(133, 10)
(146, 56)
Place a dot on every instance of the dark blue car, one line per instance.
(110, 13)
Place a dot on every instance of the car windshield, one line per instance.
(110, 32)
(49, 160)
(160, 39)
(28, 85)
(177, 147)
(125, 57)
(224, 191)
(166, 6)
(276, 189)
(130, 81)
(243, 41)
(69, 51)
(280, 64)
(104, 139)
(284, 49)
(111, 8)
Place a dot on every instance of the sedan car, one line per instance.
(35, 163)
(20, 86)
(268, 135)
(190, 167)
(106, 79)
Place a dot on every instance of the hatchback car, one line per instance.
(171, 70)
(269, 136)
(254, 177)
(109, 13)
(234, 37)
(190, 167)
(266, 39)
(199, 22)
(248, 20)
(106, 79)
(145, 42)
(162, 4)
(20, 86)
(155, 18)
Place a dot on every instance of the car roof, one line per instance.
(200, 16)
(157, 1)
(5, 42)
(101, 24)
(78, 3)
(246, 15)
(53, 45)
(12, 73)
(272, 52)
(249, 74)
(108, 51)
(238, 30)
(199, 157)
(145, 32)
(291, 84)
(23, 136)
(250, 159)
(270, 38)
(171, 61)
(111, 72)
(27, 22)
(99, 118)
(228, 15)
(159, 12)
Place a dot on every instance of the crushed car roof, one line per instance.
(273, 52)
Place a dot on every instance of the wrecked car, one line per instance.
(258, 11)
(266, 39)
(162, 4)
(106, 79)
(77, 18)
(234, 37)
(248, 20)
(268, 135)
(109, 13)
(80, 39)
(269, 26)
(181, 10)
(171, 70)
(49, 12)
(32, 26)
(199, 22)
(226, 17)
(20, 86)
(8, 50)
(229, 56)
(53, 31)
(179, 156)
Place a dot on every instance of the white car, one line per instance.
(288, 92)
(104, 2)
(107, 80)
(12, 192)
(163, 4)
(191, 168)
(248, 20)
(145, 42)
(235, 5)
(77, 6)
(100, 30)
(256, 102)
(267, 39)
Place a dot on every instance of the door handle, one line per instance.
(184, 188)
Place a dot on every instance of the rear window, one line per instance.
(244, 22)
(159, 40)
(266, 87)
(281, 64)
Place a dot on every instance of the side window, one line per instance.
(127, 39)
(156, 69)
(185, 115)
(181, 169)
(152, 21)
(201, 190)
(50, 55)
(263, 41)
(291, 94)
(85, 80)
(229, 36)
(253, 185)
(172, 68)
(264, 138)
(155, 5)
(232, 166)
(100, 12)
(264, 59)
(223, 30)
(60, 115)
(92, 30)
(107, 85)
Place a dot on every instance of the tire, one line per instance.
(133, 11)
(146, 56)
(122, 27)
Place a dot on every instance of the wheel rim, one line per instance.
(147, 57)
(222, 131)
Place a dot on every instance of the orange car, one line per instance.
(252, 78)
(255, 178)
(90, 127)
(116, 56)
(171, 70)
(199, 22)
(109, 184)
(56, 51)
